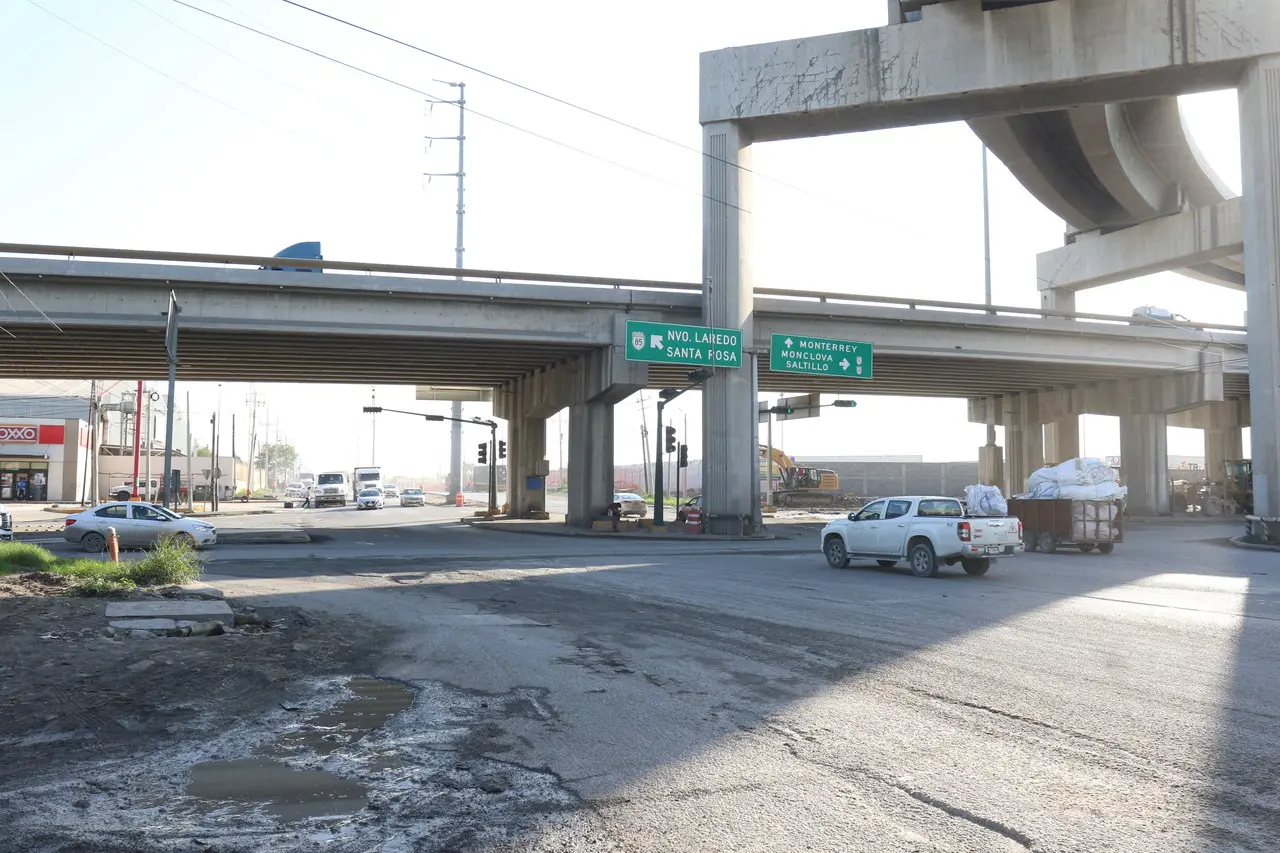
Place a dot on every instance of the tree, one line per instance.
(201, 450)
(279, 460)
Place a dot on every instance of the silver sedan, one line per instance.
(632, 504)
(138, 525)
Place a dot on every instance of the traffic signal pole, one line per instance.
(658, 520)
(492, 444)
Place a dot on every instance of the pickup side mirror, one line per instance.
(853, 516)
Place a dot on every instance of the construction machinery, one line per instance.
(1235, 493)
(798, 486)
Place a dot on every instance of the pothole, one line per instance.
(278, 789)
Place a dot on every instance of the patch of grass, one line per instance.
(168, 563)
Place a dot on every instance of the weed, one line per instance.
(168, 563)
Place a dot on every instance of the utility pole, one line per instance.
(149, 495)
(253, 402)
(644, 441)
(233, 454)
(986, 254)
(213, 470)
(455, 437)
(137, 438)
(190, 483)
(373, 454)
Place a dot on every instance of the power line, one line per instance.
(226, 53)
(156, 70)
(438, 100)
(570, 104)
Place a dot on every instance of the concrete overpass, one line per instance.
(1078, 98)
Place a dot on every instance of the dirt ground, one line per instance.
(75, 702)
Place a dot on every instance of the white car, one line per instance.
(6, 525)
(137, 524)
(632, 504)
(923, 530)
(413, 497)
(390, 492)
(370, 499)
(295, 490)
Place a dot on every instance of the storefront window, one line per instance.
(23, 480)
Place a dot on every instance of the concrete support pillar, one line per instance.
(991, 465)
(590, 462)
(1259, 94)
(1221, 444)
(526, 457)
(1062, 440)
(1058, 299)
(730, 472)
(1024, 445)
(1144, 463)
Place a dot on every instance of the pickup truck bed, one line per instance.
(927, 532)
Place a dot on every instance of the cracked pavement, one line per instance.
(618, 696)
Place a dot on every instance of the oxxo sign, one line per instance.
(19, 434)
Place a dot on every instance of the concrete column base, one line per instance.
(526, 457)
(1144, 464)
(590, 462)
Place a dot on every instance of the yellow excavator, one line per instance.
(798, 486)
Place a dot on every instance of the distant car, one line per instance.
(390, 492)
(370, 499)
(632, 504)
(413, 497)
(1155, 314)
(295, 490)
(138, 525)
(683, 510)
(6, 525)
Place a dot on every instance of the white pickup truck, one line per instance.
(925, 531)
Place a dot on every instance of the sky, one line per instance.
(146, 124)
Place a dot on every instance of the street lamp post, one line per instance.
(666, 395)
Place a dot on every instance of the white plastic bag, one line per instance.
(985, 500)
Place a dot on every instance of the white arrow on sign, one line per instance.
(787, 342)
(655, 342)
(844, 364)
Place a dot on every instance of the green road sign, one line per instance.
(824, 356)
(668, 343)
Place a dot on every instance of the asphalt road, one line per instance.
(742, 698)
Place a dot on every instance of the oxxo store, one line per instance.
(43, 460)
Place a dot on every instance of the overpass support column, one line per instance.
(590, 461)
(1144, 463)
(730, 469)
(526, 457)
(1023, 442)
(1220, 445)
(1062, 439)
(1259, 94)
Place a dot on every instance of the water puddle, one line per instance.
(374, 703)
(294, 795)
(288, 794)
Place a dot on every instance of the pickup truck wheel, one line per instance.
(1106, 547)
(924, 563)
(977, 568)
(887, 564)
(1047, 543)
(837, 555)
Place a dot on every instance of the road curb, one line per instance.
(1239, 542)
(571, 532)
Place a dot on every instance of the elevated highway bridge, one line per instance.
(359, 323)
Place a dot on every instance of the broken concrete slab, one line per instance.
(173, 609)
(144, 624)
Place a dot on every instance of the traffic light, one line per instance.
(502, 450)
(845, 404)
(483, 455)
(671, 439)
(684, 456)
(783, 410)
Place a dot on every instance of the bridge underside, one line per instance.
(212, 356)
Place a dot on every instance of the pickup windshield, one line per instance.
(329, 479)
